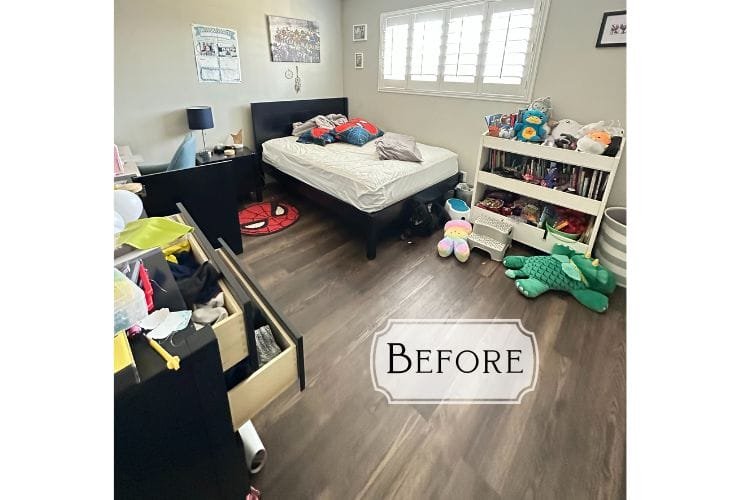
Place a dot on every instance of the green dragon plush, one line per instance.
(564, 270)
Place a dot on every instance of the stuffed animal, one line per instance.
(564, 270)
(566, 126)
(594, 142)
(506, 132)
(530, 128)
(566, 141)
(456, 240)
(543, 104)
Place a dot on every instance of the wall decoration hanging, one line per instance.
(359, 60)
(613, 31)
(359, 32)
(216, 54)
(294, 40)
(289, 75)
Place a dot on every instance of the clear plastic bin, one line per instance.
(129, 303)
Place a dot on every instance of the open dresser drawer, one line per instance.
(231, 332)
(270, 380)
(235, 334)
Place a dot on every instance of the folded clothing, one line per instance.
(211, 312)
(394, 146)
(197, 285)
(329, 122)
(267, 348)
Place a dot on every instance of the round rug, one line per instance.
(266, 217)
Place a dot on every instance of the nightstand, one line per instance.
(247, 172)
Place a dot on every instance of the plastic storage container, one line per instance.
(129, 303)
(464, 192)
(457, 209)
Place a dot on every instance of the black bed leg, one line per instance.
(372, 241)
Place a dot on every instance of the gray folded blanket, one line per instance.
(328, 121)
(397, 147)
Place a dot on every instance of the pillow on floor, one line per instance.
(317, 135)
(357, 131)
(397, 147)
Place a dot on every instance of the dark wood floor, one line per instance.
(340, 439)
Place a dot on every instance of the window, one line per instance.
(483, 50)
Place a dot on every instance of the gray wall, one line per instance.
(155, 76)
(585, 83)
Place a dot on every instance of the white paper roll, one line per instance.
(254, 450)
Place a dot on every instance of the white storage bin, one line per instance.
(611, 245)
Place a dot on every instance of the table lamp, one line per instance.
(200, 118)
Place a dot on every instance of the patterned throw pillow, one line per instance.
(317, 135)
(357, 131)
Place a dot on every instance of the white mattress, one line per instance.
(355, 174)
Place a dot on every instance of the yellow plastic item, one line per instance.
(122, 355)
(173, 362)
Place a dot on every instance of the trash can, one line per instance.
(611, 246)
(464, 192)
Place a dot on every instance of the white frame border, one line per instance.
(353, 33)
(362, 56)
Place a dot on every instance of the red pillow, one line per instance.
(357, 131)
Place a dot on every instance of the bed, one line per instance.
(347, 179)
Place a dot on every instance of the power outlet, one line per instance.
(463, 176)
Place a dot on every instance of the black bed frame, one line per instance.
(271, 120)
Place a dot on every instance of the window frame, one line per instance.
(519, 93)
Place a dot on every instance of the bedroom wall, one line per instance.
(585, 83)
(155, 75)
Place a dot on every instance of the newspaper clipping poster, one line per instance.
(216, 54)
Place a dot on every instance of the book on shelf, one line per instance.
(592, 188)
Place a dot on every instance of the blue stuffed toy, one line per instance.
(531, 128)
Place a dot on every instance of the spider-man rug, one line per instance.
(266, 217)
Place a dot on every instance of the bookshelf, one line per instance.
(592, 206)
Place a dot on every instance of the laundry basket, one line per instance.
(611, 246)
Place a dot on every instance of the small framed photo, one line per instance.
(613, 31)
(359, 60)
(359, 32)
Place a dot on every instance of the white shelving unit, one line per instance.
(531, 235)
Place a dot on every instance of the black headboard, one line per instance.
(275, 119)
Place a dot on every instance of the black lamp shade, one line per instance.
(200, 118)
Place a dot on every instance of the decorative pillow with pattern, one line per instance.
(357, 131)
(317, 135)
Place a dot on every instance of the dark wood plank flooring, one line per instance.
(340, 439)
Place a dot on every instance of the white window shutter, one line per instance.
(478, 49)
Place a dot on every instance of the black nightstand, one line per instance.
(247, 172)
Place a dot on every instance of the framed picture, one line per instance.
(613, 31)
(359, 32)
(294, 40)
(359, 60)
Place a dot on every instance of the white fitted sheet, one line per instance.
(355, 174)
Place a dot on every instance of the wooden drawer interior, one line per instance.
(230, 332)
(251, 395)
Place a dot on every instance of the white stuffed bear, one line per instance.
(566, 126)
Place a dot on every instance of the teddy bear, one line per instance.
(455, 240)
(531, 129)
